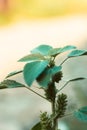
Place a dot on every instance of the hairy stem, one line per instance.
(55, 121)
(53, 107)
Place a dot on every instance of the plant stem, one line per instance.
(63, 61)
(55, 121)
(63, 86)
(14, 74)
(53, 107)
(69, 114)
(35, 93)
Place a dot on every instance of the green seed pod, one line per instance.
(61, 104)
(46, 124)
(50, 92)
(57, 77)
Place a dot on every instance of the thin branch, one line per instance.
(35, 93)
(81, 78)
(69, 114)
(63, 86)
(10, 75)
(63, 61)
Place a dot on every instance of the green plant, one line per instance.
(40, 66)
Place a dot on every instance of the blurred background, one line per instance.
(25, 24)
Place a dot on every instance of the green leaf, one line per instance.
(46, 76)
(76, 53)
(14, 73)
(42, 49)
(76, 79)
(33, 69)
(32, 57)
(37, 126)
(10, 84)
(67, 48)
(81, 114)
(56, 51)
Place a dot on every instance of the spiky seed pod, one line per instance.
(57, 77)
(61, 104)
(50, 92)
(46, 124)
